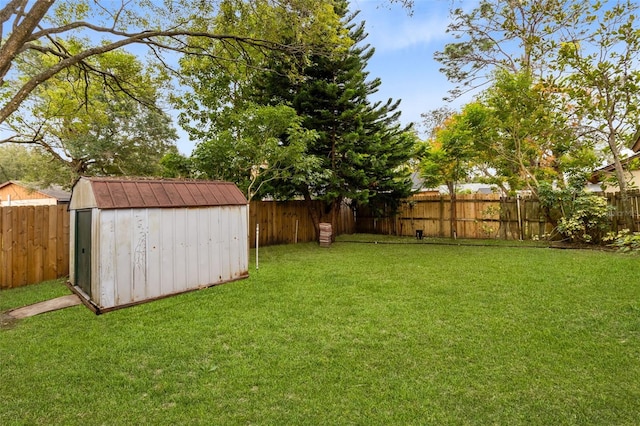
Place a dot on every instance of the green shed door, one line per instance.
(83, 250)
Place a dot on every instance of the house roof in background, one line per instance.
(417, 185)
(53, 191)
(611, 167)
(58, 193)
(115, 193)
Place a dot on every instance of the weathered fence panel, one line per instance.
(34, 240)
(34, 244)
(478, 216)
(617, 221)
(286, 222)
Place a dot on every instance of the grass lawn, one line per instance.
(388, 334)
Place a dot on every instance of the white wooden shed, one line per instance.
(135, 240)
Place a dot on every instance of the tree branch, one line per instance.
(11, 9)
(21, 34)
(144, 37)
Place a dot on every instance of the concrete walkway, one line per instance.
(46, 306)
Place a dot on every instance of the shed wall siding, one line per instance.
(82, 196)
(148, 253)
(72, 246)
(105, 265)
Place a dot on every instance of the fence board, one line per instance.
(34, 244)
(6, 248)
(20, 242)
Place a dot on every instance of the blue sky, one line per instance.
(404, 47)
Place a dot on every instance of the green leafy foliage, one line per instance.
(252, 151)
(261, 145)
(295, 125)
(514, 136)
(531, 140)
(587, 221)
(176, 165)
(30, 164)
(451, 155)
(624, 241)
(361, 150)
(580, 216)
(92, 125)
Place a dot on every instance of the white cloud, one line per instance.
(386, 36)
(392, 28)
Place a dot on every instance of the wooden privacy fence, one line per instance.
(287, 222)
(617, 222)
(34, 244)
(34, 240)
(478, 216)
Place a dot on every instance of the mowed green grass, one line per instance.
(367, 334)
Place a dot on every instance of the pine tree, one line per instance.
(362, 150)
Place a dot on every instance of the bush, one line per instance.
(580, 216)
(625, 241)
(588, 219)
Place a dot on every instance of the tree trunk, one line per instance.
(453, 216)
(627, 218)
(313, 211)
(335, 210)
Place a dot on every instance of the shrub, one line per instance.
(588, 219)
(625, 241)
(579, 215)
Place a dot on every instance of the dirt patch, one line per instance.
(7, 321)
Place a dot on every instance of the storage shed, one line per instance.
(135, 240)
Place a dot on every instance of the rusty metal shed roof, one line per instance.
(120, 193)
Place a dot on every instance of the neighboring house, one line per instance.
(473, 188)
(599, 176)
(417, 187)
(15, 193)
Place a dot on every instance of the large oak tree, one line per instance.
(91, 127)
(46, 28)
